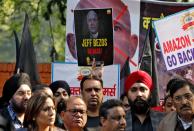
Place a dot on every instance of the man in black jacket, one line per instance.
(16, 93)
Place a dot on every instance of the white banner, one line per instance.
(175, 34)
(71, 73)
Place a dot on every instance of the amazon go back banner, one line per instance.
(71, 73)
(175, 34)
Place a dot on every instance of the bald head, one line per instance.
(75, 100)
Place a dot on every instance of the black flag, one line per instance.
(27, 57)
(17, 51)
(147, 63)
(125, 71)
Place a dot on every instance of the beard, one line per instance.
(139, 106)
(19, 107)
(61, 105)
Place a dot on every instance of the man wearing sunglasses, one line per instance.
(182, 93)
(74, 114)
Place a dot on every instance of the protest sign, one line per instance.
(94, 36)
(175, 36)
(155, 10)
(71, 73)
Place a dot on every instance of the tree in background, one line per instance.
(47, 25)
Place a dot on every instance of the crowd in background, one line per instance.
(52, 108)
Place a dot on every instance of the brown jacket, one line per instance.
(168, 123)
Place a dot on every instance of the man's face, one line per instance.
(125, 44)
(75, 115)
(60, 94)
(92, 94)
(115, 120)
(47, 114)
(92, 22)
(183, 100)
(20, 98)
(138, 90)
(139, 95)
(168, 107)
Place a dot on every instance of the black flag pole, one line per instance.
(17, 43)
(144, 45)
(53, 52)
(147, 62)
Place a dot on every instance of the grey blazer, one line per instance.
(169, 122)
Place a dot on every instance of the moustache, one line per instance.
(185, 106)
(139, 106)
(139, 100)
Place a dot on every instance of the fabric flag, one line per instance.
(17, 51)
(27, 57)
(125, 71)
(147, 63)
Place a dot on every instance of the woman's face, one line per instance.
(46, 116)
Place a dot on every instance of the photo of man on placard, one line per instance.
(94, 36)
(92, 23)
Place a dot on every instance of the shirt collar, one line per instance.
(186, 125)
(94, 35)
(13, 115)
(11, 112)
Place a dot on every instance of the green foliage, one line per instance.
(12, 14)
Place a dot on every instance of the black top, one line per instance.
(138, 126)
(93, 121)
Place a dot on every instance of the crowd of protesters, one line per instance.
(24, 107)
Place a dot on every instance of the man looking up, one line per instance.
(138, 87)
(91, 91)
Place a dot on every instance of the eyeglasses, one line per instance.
(75, 111)
(57, 94)
(186, 96)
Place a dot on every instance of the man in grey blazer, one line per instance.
(182, 93)
(138, 87)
